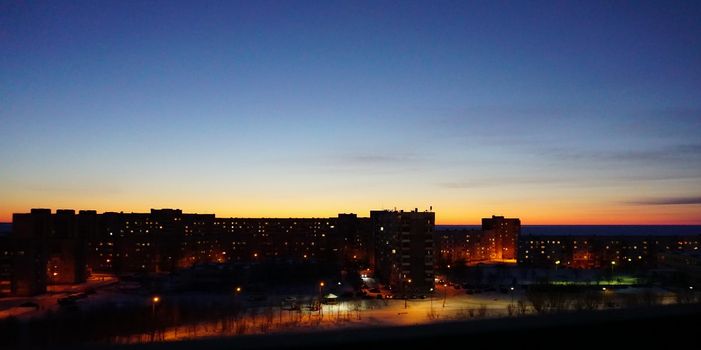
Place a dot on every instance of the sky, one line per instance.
(560, 112)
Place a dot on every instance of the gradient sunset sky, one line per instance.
(563, 112)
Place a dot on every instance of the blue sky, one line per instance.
(557, 112)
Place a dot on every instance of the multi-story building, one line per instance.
(64, 247)
(462, 246)
(6, 253)
(600, 251)
(495, 242)
(404, 249)
(502, 236)
(357, 246)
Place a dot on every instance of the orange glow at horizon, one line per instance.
(459, 214)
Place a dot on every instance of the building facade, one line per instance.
(65, 247)
(601, 251)
(495, 242)
(502, 236)
(404, 249)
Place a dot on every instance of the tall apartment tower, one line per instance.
(48, 249)
(501, 235)
(404, 249)
(29, 241)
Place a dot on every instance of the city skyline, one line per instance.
(556, 113)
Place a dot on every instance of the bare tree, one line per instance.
(521, 308)
(482, 311)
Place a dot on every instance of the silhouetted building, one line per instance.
(495, 242)
(167, 239)
(600, 251)
(686, 263)
(6, 253)
(462, 246)
(502, 236)
(64, 247)
(355, 235)
(404, 249)
(30, 234)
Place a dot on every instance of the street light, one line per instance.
(155, 300)
(445, 293)
(431, 290)
(238, 290)
(321, 287)
(557, 263)
(512, 295)
(405, 294)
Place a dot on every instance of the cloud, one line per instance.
(498, 182)
(676, 152)
(380, 162)
(374, 159)
(669, 201)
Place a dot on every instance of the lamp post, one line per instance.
(405, 294)
(321, 287)
(155, 300)
(557, 263)
(512, 295)
(445, 293)
(603, 291)
(431, 291)
(613, 263)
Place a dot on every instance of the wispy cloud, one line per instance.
(380, 162)
(375, 159)
(667, 122)
(676, 152)
(494, 182)
(669, 201)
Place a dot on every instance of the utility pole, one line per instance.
(445, 293)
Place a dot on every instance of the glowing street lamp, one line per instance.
(238, 290)
(512, 295)
(155, 300)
